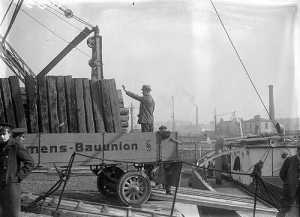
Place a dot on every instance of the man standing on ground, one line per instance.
(147, 104)
(15, 165)
(290, 175)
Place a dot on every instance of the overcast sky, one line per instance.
(180, 49)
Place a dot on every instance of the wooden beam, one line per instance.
(32, 114)
(17, 102)
(71, 104)
(80, 106)
(115, 105)
(61, 103)
(43, 112)
(107, 110)
(52, 103)
(2, 109)
(97, 106)
(88, 106)
(7, 101)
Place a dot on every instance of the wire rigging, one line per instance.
(51, 10)
(241, 61)
(68, 13)
(6, 12)
(16, 11)
(53, 32)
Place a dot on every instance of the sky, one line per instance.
(180, 49)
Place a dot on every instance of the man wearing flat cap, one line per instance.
(15, 165)
(147, 104)
(290, 176)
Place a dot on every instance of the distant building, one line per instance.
(258, 126)
(229, 128)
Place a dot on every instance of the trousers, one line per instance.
(10, 202)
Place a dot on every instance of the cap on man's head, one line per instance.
(162, 127)
(5, 125)
(18, 131)
(146, 87)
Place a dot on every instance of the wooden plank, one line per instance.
(81, 121)
(52, 104)
(7, 101)
(17, 102)
(43, 112)
(71, 104)
(61, 103)
(88, 106)
(2, 110)
(107, 110)
(97, 106)
(115, 105)
(124, 111)
(32, 114)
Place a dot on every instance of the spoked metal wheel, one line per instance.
(108, 179)
(134, 188)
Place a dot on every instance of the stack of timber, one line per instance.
(61, 104)
(124, 113)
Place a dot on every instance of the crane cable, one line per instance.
(53, 32)
(241, 61)
(6, 12)
(68, 13)
(56, 12)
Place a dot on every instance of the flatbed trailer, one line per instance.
(116, 159)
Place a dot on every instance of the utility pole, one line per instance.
(197, 116)
(215, 117)
(173, 115)
(131, 117)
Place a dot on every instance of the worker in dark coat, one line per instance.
(147, 105)
(15, 165)
(169, 172)
(290, 175)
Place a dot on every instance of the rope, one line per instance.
(16, 11)
(53, 32)
(6, 12)
(241, 61)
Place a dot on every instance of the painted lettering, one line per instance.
(79, 147)
(53, 148)
(63, 148)
(88, 148)
(44, 149)
(32, 149)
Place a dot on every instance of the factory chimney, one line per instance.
(271, 103)
(197, 117)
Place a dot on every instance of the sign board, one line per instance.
(112, 147)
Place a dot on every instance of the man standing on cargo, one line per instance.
(15, 165)
(147, 104)
(290, 175)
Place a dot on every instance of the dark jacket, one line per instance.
(19, 162)
(146, 107)
(289, 174)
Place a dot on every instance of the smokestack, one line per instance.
(271, 103)
(197, 119)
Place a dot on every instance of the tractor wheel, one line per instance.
(108, 179)
(134, 188)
